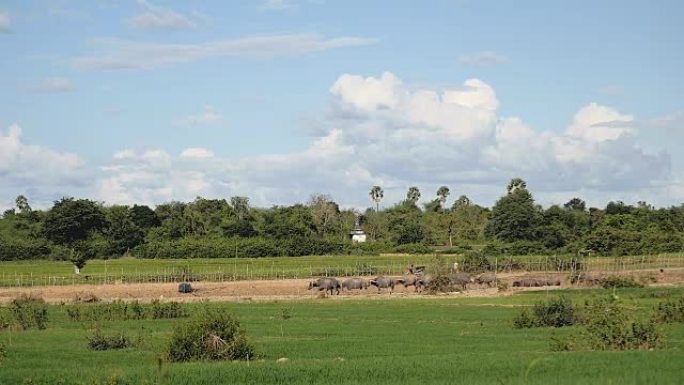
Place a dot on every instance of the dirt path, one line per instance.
(268, 290)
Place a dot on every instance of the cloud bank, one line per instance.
(379, 130)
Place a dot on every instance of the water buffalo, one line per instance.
(383, 282)
(486, 279)
(460, 279)
(553, 282)
(409, 280)
(423, 281)
(355, 284)
(529, 282)
(327, 284)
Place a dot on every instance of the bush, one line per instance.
(609, 327)
(556, 312)
(438, 269)
(213, 335)
(670, 311)
(475, 262)
(413, 248)
(122, 311)
(167, 310)
(616, 282)
(98, 341)
(30, 312)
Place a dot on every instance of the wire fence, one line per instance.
(236, 272)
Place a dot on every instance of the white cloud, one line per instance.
(204, 118)
(50, 85)
(196, 153)
(118, 54)
(37, 171)
(156, 17)
(484, 58)
(382, 131)
(598, 123)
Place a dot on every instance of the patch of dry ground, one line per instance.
(289, 289)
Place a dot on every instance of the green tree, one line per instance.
(123, 234)
(325, 213)
(72, 220)
(144, 217)
(514, 216)
(376, 195)
(575, 204)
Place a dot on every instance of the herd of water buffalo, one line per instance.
(419, 282)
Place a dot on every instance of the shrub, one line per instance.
(609, 327)
(167, 310)
(475, 262)
(556, 312)
(670, 311)
(30, 312)
(438, 269)
(213, 335)
(98, 341)
(616, 282)
(413, 248)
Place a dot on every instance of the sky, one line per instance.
(153, 101)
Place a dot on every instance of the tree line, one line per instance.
(80, 229)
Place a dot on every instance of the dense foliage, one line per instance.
(80, 229)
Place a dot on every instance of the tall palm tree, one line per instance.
(413, 194)
(376, 195)
(442, 194)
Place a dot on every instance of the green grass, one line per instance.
(352, 341)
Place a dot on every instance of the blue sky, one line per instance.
(140, 101)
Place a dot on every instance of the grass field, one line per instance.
(37, 273)
(383, 341)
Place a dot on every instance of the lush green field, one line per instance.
(30, 273)
(350, 341)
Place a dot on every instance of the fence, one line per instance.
(235, 272)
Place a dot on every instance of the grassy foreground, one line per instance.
(350, 341)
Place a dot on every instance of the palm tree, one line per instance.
(516, 184)
(413, 194)
(376, 195)
(442, 194)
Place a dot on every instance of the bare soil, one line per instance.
(291, 289)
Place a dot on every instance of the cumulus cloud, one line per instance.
(116, 54)
(196, 153)
(160, 18)
(5, 23)
(35, 170)
(50, 85)
(204, 118)
(381, 131)
(481, 59)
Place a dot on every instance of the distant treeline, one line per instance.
(212, 228)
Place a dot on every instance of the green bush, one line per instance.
(167, 310)
(30, 312)
(122, 311)
(99, 341)
(213, 335)
(670, 311)
(475, 262)
(556, 312)
(609, 327)
(413, 248)
(616, 282)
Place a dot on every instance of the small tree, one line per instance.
(442, 194)
(79, 260)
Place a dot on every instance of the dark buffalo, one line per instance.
(327, 284)
(355, 284)
(409, 280)
(460, 279)
(529, 282)
(383, 282)
(488, 279)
